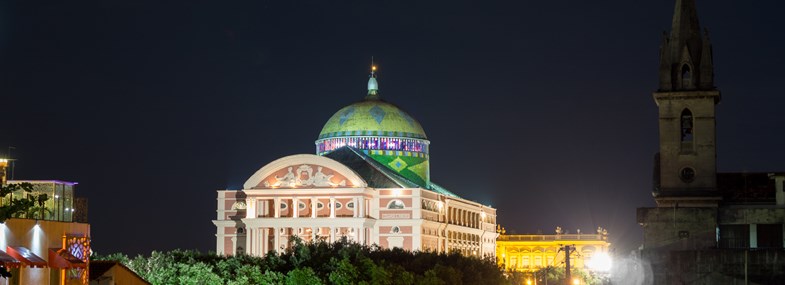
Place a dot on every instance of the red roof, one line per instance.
(26, 256)
(62, 258)
(8, 261)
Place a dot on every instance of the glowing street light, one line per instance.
(600, 262)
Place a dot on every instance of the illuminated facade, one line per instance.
(48, 245)
(529, 253)
(369, 182)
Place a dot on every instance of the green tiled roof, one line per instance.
(372, 117)
(441, 190)
(376, 174)
(373, 172)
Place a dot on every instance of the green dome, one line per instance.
(381, 131)
(372, 117)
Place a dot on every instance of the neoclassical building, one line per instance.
(532, 252)
(369, 182)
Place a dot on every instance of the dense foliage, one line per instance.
(315, 263)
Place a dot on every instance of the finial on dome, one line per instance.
(373, 86)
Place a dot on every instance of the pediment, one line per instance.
(304, 171)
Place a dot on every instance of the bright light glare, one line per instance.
(600, 262)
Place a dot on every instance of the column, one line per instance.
(356, 206)
(250, 208)
(264, 241)
(313, 207)
(277, 207)
(362, 207)
(249, 234)
(296, 208)
(314, 230)
(276, 239)
(332, 234)
(332, 207)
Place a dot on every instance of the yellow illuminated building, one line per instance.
(529, 253)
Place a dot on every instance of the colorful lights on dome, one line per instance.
(372, 143)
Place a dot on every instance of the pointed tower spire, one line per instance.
(685, 55)
(686, 165)
(373, 86)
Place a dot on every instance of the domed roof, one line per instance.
(372, 117)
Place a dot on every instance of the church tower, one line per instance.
(685, 167)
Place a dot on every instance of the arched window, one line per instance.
(395, 204)
(283, 206)
(395, 230)
(686, 76)
(337, 205)
(240, 230)
(350, 205)
(320, 205)
(301, 206)
(686, 125)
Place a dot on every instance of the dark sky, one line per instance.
(542, 109)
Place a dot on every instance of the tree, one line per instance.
(303, 275)
(318, 262)
(16, 206)
(343, 273)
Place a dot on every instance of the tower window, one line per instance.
(686, 76)
(686, 126)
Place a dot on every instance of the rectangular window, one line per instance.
(525, 261)
(538, 261)
(513, 262)
(734, 236)
(770, 236)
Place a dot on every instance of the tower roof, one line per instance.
(685, 53)
(685, 25)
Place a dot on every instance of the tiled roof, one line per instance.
(376, 174)
(372, 118)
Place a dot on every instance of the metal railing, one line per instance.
(552, 237)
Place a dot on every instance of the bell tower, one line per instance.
(685, 167)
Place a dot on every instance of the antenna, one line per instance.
(373, 68)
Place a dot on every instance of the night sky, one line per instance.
(542, 109)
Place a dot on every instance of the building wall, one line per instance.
(39, 236)
(529, 253)
(262, 217)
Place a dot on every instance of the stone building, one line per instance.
(532, 252)
(707, 227)
(369, 182)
